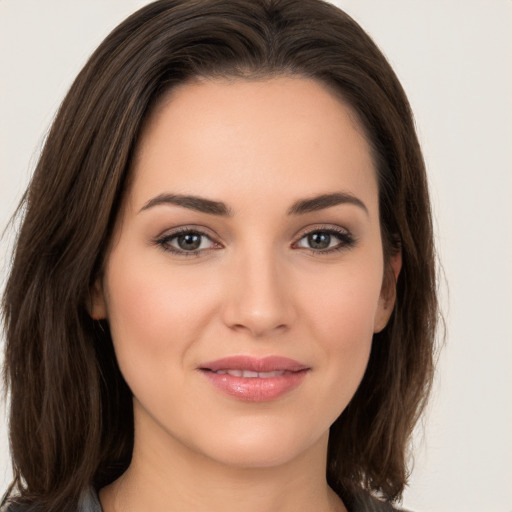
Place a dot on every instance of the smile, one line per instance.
(253, 379)
(249, 374)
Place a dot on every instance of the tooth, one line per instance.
(249, 374)
(267, 375)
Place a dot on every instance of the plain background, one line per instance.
(454, 58)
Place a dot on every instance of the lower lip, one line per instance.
(256, 389)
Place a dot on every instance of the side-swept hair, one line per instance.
(71, 417)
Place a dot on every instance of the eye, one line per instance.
(326, 240)
(186, 242)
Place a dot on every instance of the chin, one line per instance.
(261, 446)
(256, 456)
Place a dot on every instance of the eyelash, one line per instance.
(347, 241)
(164, 241)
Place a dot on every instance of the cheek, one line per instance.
(155, 313)
(341, 314)
(342, 304)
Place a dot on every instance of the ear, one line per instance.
(388, 292)
(97, 306)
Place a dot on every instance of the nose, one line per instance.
(258, 296)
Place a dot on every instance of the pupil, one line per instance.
(319, 240)
(189, 242)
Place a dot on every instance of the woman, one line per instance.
(223, 291)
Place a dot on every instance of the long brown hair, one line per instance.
(71, 418)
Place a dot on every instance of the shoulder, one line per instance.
(88, 502)
(367, 503)
(8, 504)
(12, 506)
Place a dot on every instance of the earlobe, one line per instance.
(388, 292)
(97, 306)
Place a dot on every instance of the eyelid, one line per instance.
(163, 240)
(186, 228)
(321, 227)
(347, 239)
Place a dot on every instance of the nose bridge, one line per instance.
(258, 298)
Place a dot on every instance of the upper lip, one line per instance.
(255, 364)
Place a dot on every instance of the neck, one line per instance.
(168, 476)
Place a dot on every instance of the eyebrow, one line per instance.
(199, 204)
(209, 206)
(325, 201)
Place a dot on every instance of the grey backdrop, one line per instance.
(454, 59)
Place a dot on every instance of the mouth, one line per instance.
(253, 379)
(251, 365)
(249, 374)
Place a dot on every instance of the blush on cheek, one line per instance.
(347, 307)
(346, 327)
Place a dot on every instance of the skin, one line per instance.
(254, 287)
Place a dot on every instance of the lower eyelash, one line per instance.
(347, 241)
(163, 242)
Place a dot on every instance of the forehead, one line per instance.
(236, 137)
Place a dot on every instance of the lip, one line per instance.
(255, 388)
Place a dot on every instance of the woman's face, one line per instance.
(243, 284)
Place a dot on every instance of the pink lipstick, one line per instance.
(255, 379)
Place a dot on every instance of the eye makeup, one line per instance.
(319, 240)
